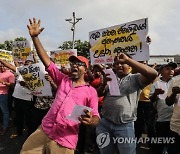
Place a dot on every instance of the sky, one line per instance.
(163, 19)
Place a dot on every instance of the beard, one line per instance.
(76, 75)
(74, 78)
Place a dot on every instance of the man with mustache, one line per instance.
(119, 111)
(57, 134)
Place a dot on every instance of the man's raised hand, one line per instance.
(34, 27)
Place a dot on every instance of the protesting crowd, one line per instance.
(116, 103)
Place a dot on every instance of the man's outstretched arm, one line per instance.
(34, 31)
(8, 65)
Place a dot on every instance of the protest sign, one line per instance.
(34, 77)
(61, 57)
(128, 38)
(21, 50)
(6, 55)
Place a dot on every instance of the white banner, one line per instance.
(128, 38)
(34, 77)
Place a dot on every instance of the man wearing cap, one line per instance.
(158, 95)
(57, 134)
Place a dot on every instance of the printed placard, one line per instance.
(61, 57)
(34, 77)
(6, 55)
(128, 38)
(21, 50)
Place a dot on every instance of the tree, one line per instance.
(8, 44)
(20, 39)
(82, 47)
(2, 46)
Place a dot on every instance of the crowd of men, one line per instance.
(147, 96)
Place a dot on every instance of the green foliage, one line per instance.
(8, 44)
(20, 39)
(82, 47)
(2, 46)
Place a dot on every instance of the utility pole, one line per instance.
(73, 22)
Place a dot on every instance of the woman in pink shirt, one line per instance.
(6, 79)
(57, 133)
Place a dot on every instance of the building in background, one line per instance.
(164, 59)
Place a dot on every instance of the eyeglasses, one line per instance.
(77, 63)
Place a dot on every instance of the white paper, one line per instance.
(113, 84)
(163, 86)
(77, 112)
